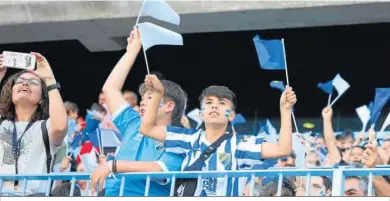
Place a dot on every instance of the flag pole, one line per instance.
(334, 101)
(146, 61)
(329, 99)
(288, 84)
(136, 24)
(295, 122)
(285, 62)
(140, 12)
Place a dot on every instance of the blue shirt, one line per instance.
(136, 147)
(238, 152)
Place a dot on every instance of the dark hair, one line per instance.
(327, 182)
(98, 107)
(345, 135)
(71, 107)
(320, 135)
(270, 189)
(158, 74)
(363, 179)
(131, 92)
(220, 92)
(173, 92)
(362, 148)
(7, 107)
(63, 190)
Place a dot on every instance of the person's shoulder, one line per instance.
(5, 125)
(181, 130)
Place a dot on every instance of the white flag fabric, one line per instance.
(299, 150)
(194, 115)
(109, 138)
(340, 84)
(271, 129)
(364, 114)
(272, 136)
(90, 161)
(160, 10)
(152, 35)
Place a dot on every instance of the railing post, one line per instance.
(370, 186)
(173, 182)
(1, 185)
(280, 184)
(147, 186)
(48, 187)
(73, 183)
(338, 182)
(122, 188)
(252, 185)
(308, 184)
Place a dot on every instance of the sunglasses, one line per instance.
(31, 81)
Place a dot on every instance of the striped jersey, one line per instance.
(238, 152)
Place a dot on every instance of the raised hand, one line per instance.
(134, 41)
(288, 99)
(43, 69)
(3, 69)
(154, 84)
(327, 113)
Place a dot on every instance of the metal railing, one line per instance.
(338, 177)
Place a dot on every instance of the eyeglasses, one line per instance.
(31, 81)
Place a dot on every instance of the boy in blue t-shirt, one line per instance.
(137, 148)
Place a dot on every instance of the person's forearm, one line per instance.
(118, 75)
(57, 114)
(330, 141)
(150, 117)
(115, 81)
(381, 186)
(137, 166)
(285, 142)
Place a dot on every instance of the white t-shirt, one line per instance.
(32, 158)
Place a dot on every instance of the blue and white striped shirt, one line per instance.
(236, 153)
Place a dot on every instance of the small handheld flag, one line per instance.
(239, 119)
(327, 87)
(152, 35)
(160, 10)
(270, 53)
(364, 115)
(194, 115)
(384, 126)
(272, 56)
(341, 86)
(382, 95)
(299, 150)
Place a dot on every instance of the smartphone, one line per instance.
(19, 60)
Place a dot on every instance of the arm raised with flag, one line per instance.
(329, 136)
(284, 146)
(112, 89)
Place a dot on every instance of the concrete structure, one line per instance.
(104, 25)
